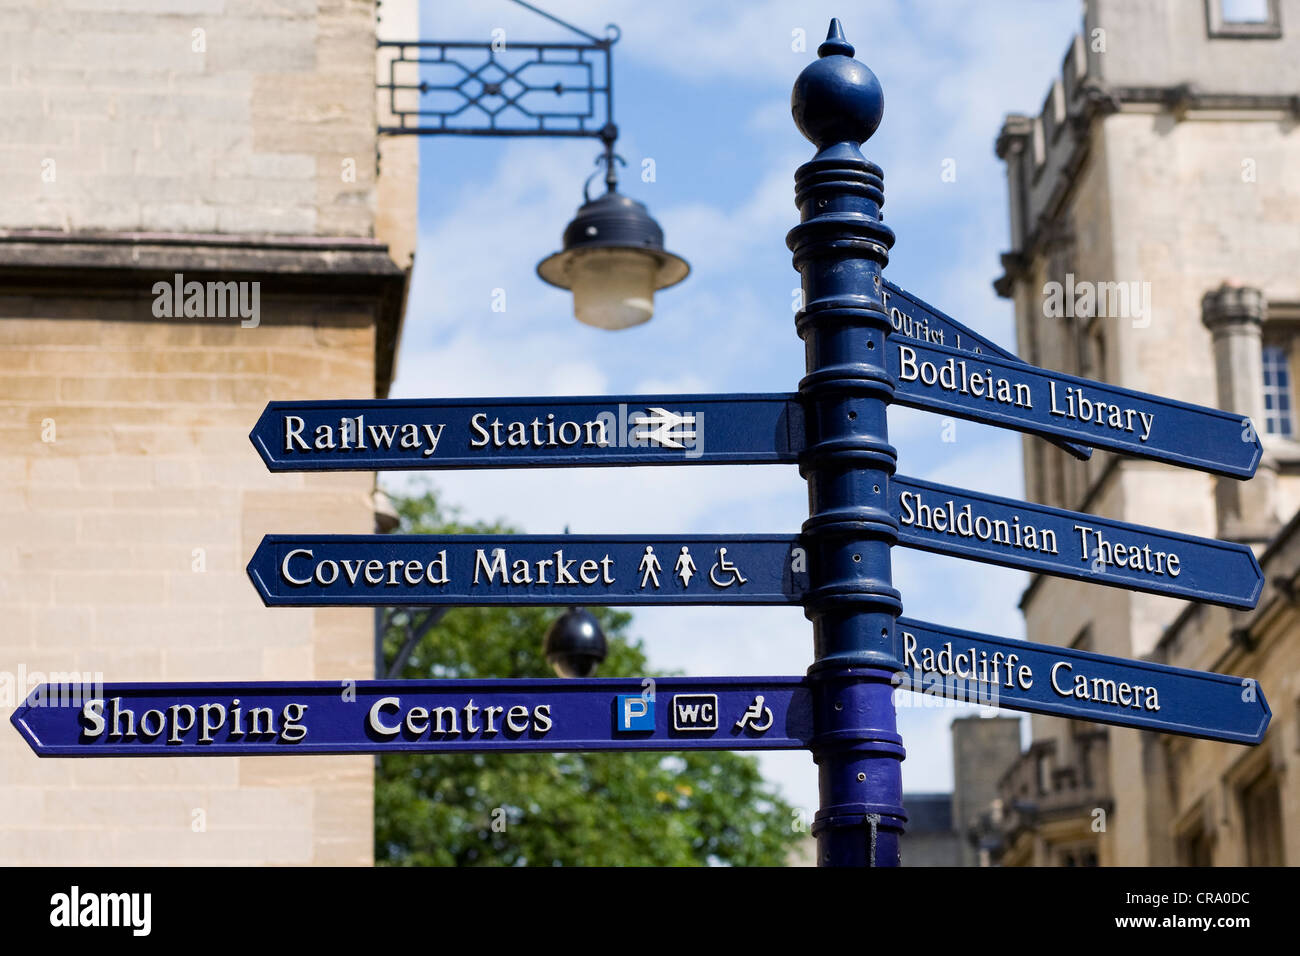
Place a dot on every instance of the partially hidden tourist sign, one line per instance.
(474, 570)
(1062, 682)
(913, 318)
(384, 434)
(995, 391)
(1071, 544)
(434, 716)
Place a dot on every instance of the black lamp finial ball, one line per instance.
(575, 645)
(836, 99)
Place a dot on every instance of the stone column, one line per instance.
(1234, 315)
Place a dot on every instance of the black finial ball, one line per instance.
(836, 98)
(575, 645)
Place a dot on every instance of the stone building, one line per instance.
(945, 829)
(931, 839)
(198, 217)
(1159, 180)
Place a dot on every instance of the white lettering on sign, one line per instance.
(1131, 556)
(353, 434)
(1102, 690)
(374, 572)
(912, 327)
(1074, 404)
(537, 433)
(491, 432)
(946, 518)
(1001, 669)
(170, 724)
(498, 568)
(1065, 401)
(969, 663)
(955, 376)
(387, 718)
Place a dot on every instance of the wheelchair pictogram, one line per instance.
(730, 574)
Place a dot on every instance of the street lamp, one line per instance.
(613, 257)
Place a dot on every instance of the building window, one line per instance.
(1277, 391)
(1083, 855)
(1096, 354)
(1243, 19)
(1194, 848)
(1039, 147)
(1261, 812)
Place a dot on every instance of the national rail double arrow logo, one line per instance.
(664, 428)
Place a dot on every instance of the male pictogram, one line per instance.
(649, 567)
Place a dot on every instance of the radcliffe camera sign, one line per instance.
(992, 671)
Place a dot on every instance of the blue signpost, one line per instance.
(867, 344)
(629, 570)
(914, 318)
(1062, 682)
(435, 716)
(529, 432)
(677, 713)
(1032, 537)
(1029, 399)
(465, 570)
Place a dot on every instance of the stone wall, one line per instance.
(231, 116)
(131, 502)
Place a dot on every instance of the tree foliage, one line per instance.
(529, 809)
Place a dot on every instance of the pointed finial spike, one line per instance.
(836, 99)
(835, 42)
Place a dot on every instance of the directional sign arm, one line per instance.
(914, 318)
(405, 434)
(427, 716)
(997, 392)
(1062, 682)
(1033, 537)
(478, 570)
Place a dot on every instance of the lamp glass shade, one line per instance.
(613, 288)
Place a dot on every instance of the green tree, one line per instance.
(628, 809)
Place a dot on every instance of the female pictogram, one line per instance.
(685, 566)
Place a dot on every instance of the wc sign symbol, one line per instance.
(695, 712)
(633, 712)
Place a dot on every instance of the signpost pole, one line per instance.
(839, 250)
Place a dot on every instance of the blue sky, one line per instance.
(703, 89)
